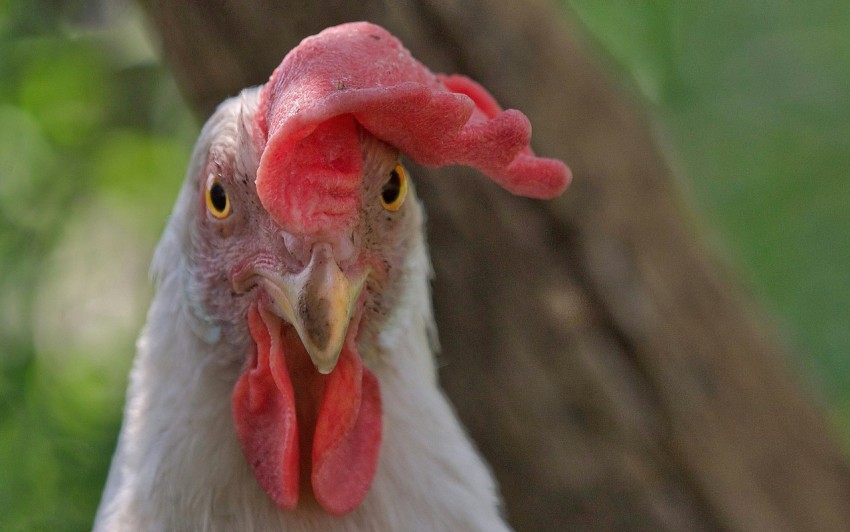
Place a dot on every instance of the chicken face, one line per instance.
(304, 406)
(316, 280)
(302, 224)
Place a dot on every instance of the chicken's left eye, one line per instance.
(218, 202)
(395, 189)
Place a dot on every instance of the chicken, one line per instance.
(285, 377)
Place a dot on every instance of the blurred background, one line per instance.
(748, 100)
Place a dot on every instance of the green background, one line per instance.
(751, 102)
(748, 99)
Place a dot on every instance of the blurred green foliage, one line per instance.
(93, 144)
(94, 139)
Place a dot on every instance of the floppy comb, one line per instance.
(359, 74)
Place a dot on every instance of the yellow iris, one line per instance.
(218, 202)
(395, 189)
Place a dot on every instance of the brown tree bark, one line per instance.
(604, 361)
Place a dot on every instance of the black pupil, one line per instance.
(218, 197)
(392, 188)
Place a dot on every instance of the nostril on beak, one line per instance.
(345, 248)
(341, 248)
(298, 250)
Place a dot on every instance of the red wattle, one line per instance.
(263, 406)
(341, 411)
(348, 435)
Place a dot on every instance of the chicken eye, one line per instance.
(218, 202)
(395, 189)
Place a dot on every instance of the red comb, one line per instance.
(309, 173)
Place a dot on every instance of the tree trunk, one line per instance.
(606, 364)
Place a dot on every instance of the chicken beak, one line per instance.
(319, 302)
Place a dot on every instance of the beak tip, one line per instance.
(325, 362)
(325, 371)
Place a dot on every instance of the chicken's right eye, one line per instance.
(218, 202)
